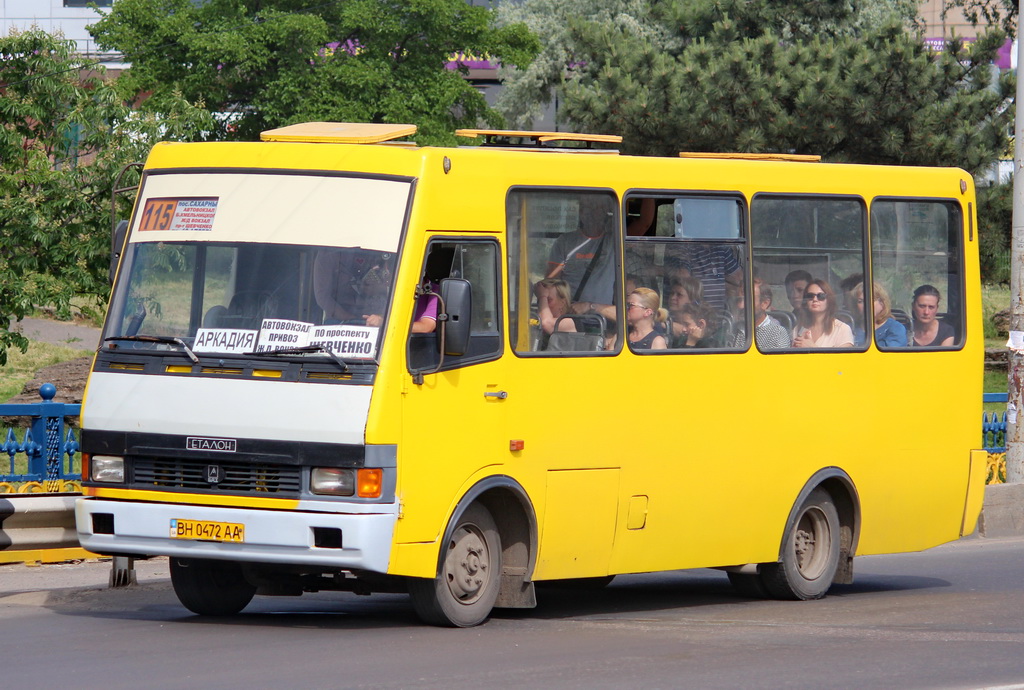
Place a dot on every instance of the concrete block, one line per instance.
(1003, 512)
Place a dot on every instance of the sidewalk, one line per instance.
(17, 579)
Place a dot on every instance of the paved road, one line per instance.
(60, 333)
(946, 618)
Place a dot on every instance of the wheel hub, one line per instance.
(467, 566)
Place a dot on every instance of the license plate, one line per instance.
(207, 531)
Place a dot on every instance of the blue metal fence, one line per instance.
(993, 425)
(48, 449)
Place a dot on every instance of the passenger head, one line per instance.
(684, 290)
(695, 321)
(595, 215)
(881, 306)
(819, 304)
(796, 283)
(848, 285)
(644, 303)
(926, 303)
(557, 293)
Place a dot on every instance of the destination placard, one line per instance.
(348, 342)
(278, 334)
(225, 340)
(179, 214)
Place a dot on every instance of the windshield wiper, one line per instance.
(158, 339)
(305, 349)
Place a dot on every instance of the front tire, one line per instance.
(464, 592)
(210, 588)
(810, 552)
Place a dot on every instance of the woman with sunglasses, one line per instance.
(643, 311)
(817, 325)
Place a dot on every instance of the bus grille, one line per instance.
(234, 478)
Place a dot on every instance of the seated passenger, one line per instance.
(684, 290)
(888, 331)
(351, 284)
(796, 282)
(697, 327)
(928, 330)
(768, 332)
(643, 312)
(553, 301)
(817, 325)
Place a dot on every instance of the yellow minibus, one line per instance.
(336, 360)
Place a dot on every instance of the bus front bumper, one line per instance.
(270, 536)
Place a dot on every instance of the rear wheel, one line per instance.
(464, 592)
(810, 552)
(210, 588)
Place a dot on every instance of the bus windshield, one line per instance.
(240, 298)
(237, 263)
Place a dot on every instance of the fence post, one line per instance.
(48, 431)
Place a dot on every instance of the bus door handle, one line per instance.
(500, 395)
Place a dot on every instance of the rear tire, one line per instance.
(810, 552)
(210, 588)
(464, 592)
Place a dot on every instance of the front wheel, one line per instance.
(810, 552)
(464, 592)
(210, 588)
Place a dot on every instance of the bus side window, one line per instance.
(810, 253)
(564, 296)
(690, 250)
(915, 255)
(477, 262)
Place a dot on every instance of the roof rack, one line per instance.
(340, 133)
(515, 138)
(795, 157)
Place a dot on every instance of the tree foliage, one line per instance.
(764, 76)
(529, 91)
(1002, 13)
(269, 63)
(63, 139)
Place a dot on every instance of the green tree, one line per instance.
(528, 92)
(764, 76)
(268, 63)
(1002, 13)
(63, 139)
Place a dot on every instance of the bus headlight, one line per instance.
(107, 468)
(332, 481)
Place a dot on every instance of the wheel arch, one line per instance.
(844, 494)
(513, 513)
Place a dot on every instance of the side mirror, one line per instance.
(457, 296)
(116, 246)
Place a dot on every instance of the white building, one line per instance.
(69, 17)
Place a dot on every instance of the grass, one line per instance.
(994, 298)
(21, 367)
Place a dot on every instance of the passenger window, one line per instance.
(476, 262)
(563, 273)
(809, 253)
(915, 254)
(685, 262)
